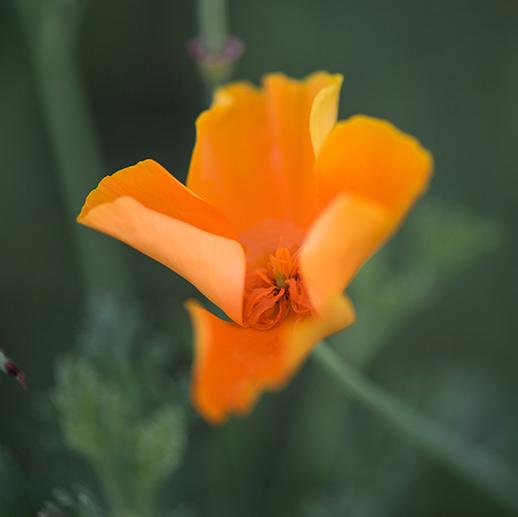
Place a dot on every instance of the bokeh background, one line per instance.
(106, 428)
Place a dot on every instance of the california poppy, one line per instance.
(282, 207)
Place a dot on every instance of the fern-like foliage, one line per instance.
(117, 411)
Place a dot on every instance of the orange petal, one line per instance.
(372, 159)
(157, 215)
(253, 157)
(324, 112)
(230, 165)
(154, 187)
(234, 365)
(338, 243)
(301, 115)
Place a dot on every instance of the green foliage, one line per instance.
(42, 15)
(438, 243)
(117, 412)
(77, 504)
(421, 64)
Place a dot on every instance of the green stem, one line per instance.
(51, 33)
(114, 494)
(216, 53)
(212, 23)
(474, 464)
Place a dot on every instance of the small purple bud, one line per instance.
(13, 370)
(230, 53)
(9, 367)
(216, 67)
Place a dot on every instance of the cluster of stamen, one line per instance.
(275, 291)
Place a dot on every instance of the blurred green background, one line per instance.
(106, 428)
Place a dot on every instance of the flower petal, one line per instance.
(234, 365)
(152, 212)
(301, 113)
(324, 112)
(369, 173)
(338, 243)
(373, 159)
(253, 157)
(154, 187)
(230, 165)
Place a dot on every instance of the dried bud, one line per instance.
(9, 367)
(216, 67)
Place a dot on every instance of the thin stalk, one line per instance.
(51, 29)
(474, 464)
(212, 24)
(214, 50)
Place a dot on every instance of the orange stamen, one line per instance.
(275, 291)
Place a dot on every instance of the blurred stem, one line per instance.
(214, 51)
(122, 501)
(114, 495)
(212, 22)
(51, 30)
(472, 463)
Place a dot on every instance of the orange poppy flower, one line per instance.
(281, 208)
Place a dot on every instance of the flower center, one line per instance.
(274, 292)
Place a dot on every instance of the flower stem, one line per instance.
(214, 50)
(475, 465)
(51, 30)
(212, 24)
